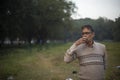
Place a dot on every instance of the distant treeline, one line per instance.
(105, 29)
(42, 20)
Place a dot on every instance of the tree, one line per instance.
(40, 19)
(8, 19)
(54, 17)
(116, 29)
(102, 27)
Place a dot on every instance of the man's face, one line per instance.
(88, 34)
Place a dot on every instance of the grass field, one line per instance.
(46, 62)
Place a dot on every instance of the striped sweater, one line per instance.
(92, 60)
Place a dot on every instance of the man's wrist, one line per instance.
(76, 44)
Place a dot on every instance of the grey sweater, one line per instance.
(92, 60)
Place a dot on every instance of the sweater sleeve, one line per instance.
(70, 54)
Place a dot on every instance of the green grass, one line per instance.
(46, 62)
(113, 50)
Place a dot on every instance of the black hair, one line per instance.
(88, 27)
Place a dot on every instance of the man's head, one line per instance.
(88, 32)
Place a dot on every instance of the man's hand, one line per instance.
(80, 41)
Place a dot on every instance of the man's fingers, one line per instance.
(78, 42)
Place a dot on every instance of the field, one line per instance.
(46, 62)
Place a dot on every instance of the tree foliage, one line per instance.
(49, 19)
(40, 19)
(103, 27)
(116, 30)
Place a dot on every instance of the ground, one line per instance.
(46, 62)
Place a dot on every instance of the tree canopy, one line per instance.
(40, 19)
(49, 19)
(104, 28)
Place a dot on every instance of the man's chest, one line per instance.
(88, 51)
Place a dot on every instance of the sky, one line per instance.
(96, 8)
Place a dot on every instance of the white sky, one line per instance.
(97, 8)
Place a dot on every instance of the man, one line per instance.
(91, 55)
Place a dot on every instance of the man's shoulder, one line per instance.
(99, 44)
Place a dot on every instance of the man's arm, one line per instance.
(70, 54)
